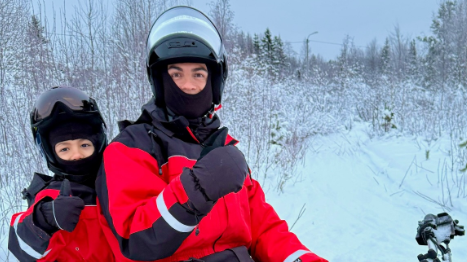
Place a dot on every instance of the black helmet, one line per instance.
(59, 105)
(184, 34)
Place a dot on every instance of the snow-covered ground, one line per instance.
(358, 205)
(362, 196)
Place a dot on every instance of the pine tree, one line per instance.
(266, 48)
(343, 64)
(443, 53)
(36, 31)
(430, 75)
(372, 63)
(279, 57)
(413, 62)
(386, 58)
(38, 63)
(256, 46)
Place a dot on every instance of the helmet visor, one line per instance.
(187, 21)
(73, 98)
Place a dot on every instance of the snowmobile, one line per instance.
(436, 232)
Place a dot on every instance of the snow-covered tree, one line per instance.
(413, 62)
(386, 58)
(222, 16)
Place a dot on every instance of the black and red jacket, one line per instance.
(143, 201)
(86, 242)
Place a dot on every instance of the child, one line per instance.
(61, 223)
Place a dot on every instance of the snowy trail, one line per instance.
(357, 209)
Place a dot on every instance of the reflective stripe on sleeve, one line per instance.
(171, 220)
(25, 247)
(296, 255)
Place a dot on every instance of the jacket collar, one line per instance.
(193, 130)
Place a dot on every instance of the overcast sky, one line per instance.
(294, 20)
(363, 20)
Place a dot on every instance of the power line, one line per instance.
(322, 42)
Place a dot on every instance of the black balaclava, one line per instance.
(183, 104)
(83, 171)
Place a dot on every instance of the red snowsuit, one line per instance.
(142, 201)
(86, 242)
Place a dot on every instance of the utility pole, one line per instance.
(307, 40)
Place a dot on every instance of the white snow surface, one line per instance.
(358, 206)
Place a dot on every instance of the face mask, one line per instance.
(183, 104)
(84, 167)
(71, 131)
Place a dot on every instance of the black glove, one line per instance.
(219, 171)
(222, 171)
(63, 212)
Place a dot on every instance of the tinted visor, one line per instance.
(185, 21)
(73, 98)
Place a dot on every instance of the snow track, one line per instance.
(360, 197)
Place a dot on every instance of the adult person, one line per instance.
(61, 223)
(173, 186)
